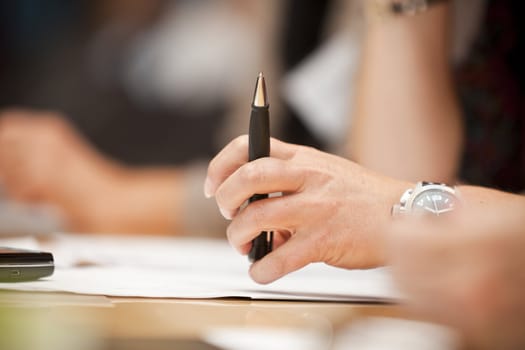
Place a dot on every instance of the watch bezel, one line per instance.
(409, 7)
(404, 7)
(427, 187)
(408, 198)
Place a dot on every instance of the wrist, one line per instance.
(427, 198)
(381, 11)
(388, 193)
(399, 7)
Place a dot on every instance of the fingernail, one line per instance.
(207, 188)
(226, 214)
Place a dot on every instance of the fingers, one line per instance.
(279, 238)
(272, 214)
(225, 163)
(296, 253)
(265, 175)
(233, 156)
(31, 149)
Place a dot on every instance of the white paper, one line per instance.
(190, 268)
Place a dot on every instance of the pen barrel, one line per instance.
(259, 140)
(261, 245)
(259, 147)
(257, 197)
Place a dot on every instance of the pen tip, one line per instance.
(260, 98)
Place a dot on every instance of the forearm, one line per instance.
(492, 202)
(146, 201)
(152, 201)
(131, 201)
(406, 121)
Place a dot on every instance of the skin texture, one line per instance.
(43, 159)
(467, 272)
(311, 219)
(465, 269)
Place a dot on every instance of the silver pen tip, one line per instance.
(260, 98)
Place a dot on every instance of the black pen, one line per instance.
(259, 147)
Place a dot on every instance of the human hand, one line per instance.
(331, 209)
(467, 272)
(43, 159)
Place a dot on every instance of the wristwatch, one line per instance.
(404, 7)
(427, 198)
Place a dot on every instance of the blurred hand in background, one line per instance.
(467, 272)
(43, 159)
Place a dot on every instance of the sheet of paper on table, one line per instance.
(187, 268)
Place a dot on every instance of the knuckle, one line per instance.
(255, 215)
(250, 219)
(251, 173)
(303, 151)
(240, 142)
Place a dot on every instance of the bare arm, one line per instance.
(407, 120)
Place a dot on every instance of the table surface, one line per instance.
(141, 318)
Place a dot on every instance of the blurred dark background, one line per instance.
(48, 61)
(60, 55)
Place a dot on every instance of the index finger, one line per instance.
(234, 155)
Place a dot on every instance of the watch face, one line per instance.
(434, 201)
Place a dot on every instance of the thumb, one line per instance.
(296, 253)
